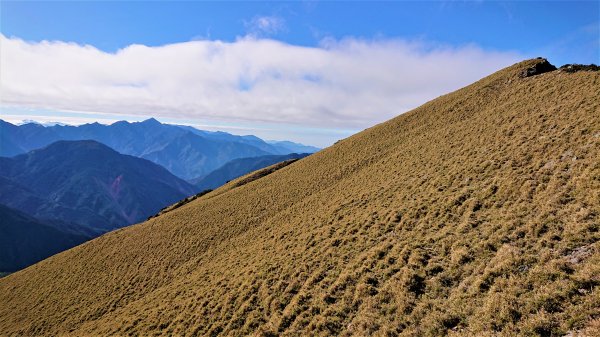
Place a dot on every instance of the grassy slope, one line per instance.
(476, 212)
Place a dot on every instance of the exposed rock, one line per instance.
(572, 68)
(539, 68)
(579, 254)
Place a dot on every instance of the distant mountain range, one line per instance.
(89, 184)
(239, 167)
(186, 152)
(270, 146)
(292, 147)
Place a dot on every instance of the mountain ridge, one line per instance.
(185, 151)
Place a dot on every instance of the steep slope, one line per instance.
(185, 151)
(238, 167)
(25, 240)
(474, 214)
(87, 183)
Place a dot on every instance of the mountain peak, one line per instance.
(151, 121)
(69, 146)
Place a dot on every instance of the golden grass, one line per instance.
(243, 180)
(476, 214)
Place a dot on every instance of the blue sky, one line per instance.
(491, 33)
(565, 31)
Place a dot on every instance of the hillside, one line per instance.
(25, 240)
(238, 167)
(475, 214)
(87, 183)
(185, 151)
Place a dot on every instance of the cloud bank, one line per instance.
(348, 83)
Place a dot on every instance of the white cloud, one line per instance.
(348, 84)
(265, 25)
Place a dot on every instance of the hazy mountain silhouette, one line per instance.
(293, 147)
(238, 167)
(184, 151)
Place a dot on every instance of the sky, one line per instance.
(307, 71)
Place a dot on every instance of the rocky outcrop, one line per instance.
(572, 68)
(539, 68)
